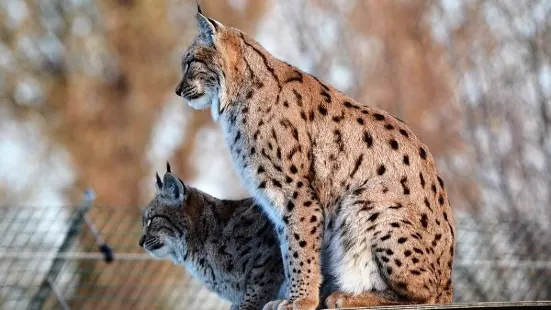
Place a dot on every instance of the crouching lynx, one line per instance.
(228, 244)
(350, 187)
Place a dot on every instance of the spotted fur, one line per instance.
(349, 187)
(228, 244)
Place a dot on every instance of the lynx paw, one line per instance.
(299, 304)
(335, 300)
(277, 305)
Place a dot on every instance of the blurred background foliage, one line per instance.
(87, 100)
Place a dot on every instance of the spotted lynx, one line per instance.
(228, 244)
(350, 188)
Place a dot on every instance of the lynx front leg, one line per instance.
(301, 237)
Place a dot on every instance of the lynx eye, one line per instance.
(187, 64)
(148, 223)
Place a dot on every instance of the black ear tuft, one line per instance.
(168, 167)
(159, 182)
(199, 8)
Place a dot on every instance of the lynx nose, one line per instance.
(179, 89)
(142, 240)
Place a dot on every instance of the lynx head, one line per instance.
(164, 226)
(207, 78)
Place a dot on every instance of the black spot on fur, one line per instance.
(373, 217)
(326, 96)
(360, 121)
(407, 253)
(440, 181)
(424, 220)
(322, 110)
(262, 184)
(293, 169)
(393, 144)
(402, 239)
(404, 133)
(397, 206)
(379, 116)
(368, 139)
(427, 204)
(405, 187)
(422, 153)
(389, 127)
(381, 170)
(296, 78)
(277, 183)
(290, 206)
(237, 137)
(406, 160)
(307, 203)
(302, 243)
(357, 165)
(441, 200)
(422, 179)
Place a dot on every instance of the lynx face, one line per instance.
(207, 80)
(200, 82)
(162, 220)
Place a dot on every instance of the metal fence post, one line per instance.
(74, 229)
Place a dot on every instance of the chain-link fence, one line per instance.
(52, 258)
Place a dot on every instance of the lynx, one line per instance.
(228, 244)
(350, 188)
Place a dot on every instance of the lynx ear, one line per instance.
(208, 27)
(173, 190)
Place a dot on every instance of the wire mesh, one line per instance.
(493, 263)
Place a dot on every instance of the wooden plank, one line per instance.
(481, 305)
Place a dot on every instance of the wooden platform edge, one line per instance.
(478, 305)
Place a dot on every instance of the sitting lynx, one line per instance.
(350, 187)
(228, 244)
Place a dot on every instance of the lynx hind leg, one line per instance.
(407, 262)
(372, 250)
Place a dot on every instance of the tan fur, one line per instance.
(350, 187)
